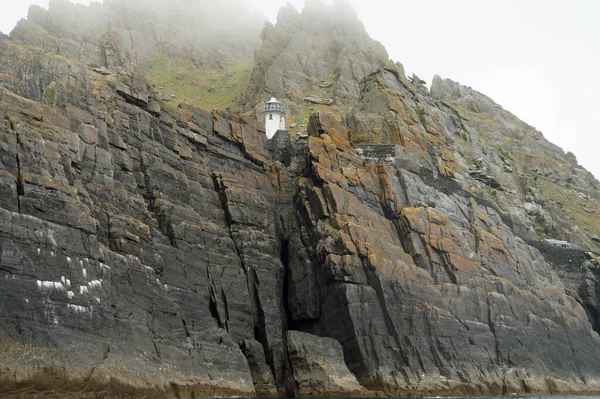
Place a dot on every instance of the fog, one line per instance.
(537, 58)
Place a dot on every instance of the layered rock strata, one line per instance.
(148, 251)
(133, 255)
(323, 47)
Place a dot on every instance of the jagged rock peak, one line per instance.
(318, 17)
(288, 12)
(447, 89)
(320, 44)
(118, 32)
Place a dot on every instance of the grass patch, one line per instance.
(301, 119)
(573, 206)
(203, 87)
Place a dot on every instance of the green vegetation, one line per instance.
(301, 119)
(204, 87)
(573, 205)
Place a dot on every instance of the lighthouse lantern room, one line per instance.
(274, 117)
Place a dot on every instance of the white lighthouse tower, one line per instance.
(274, 117)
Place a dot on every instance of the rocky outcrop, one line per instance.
(458, 132)
(130, 260)
(175, 252)
(318, 366)
(428, 291)
(580, 272)
(532, 172)
(116, 33)
(179, 45)
(321, 46)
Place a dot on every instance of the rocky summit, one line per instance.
(412, 241)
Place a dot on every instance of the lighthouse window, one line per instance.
(271, 116)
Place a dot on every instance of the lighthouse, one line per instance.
(274, 117)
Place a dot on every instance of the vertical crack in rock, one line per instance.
(226, 306)
(93, 370)
(213, 306)
(594, 317)
(290, 323)
(187, 333)
(446, 263)
(20, 183)
(402, 181)
(109, 237)
(493, 330)
(188, 337)
(284, 256)
(421, 259)
(260, 328)
(473, 224)
(252, 281)
(163, 214)
(375, 282)
(402, 227)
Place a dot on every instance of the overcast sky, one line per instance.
(539, 59)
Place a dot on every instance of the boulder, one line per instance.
(318, 367)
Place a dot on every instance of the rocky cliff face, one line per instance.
(118, 32)
(152, 251)
(323, 52)
(176, 44)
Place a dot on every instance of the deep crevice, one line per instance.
(213, 306)
(593, 316)
(260, 326)
(375, 282)
(111, 245)
(212, 302)
(252, 282)
(20, 184)
(187, 333)
(285, 261)
(224, 299)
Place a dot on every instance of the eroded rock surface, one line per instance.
(132, 252)
(318, 366)
(321, 46)
(175, 252)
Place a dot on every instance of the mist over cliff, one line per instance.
(395, 240)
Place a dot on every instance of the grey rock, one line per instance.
(264, 383)
(172, 252)
(286, 65)
(318, 100)
(318, 366)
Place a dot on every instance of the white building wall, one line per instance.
(274, 122)
(282, 123)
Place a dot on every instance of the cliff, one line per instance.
(193, 51)
(318, 56)
(152, 250)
